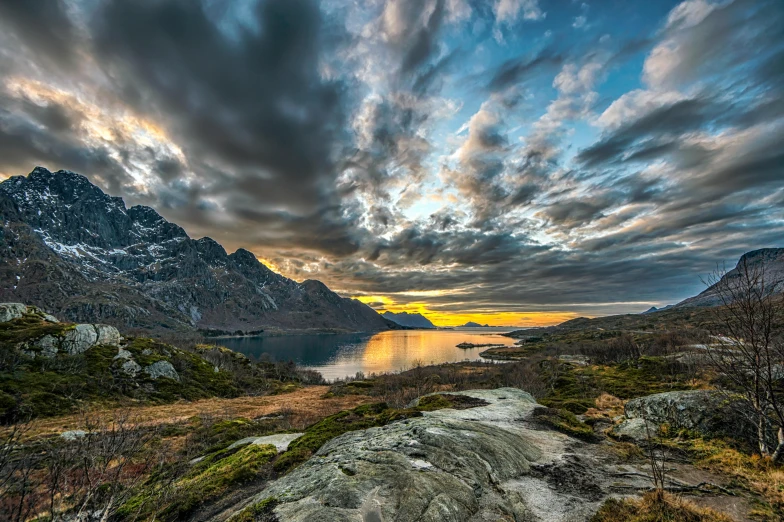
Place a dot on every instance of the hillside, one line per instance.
(73, 250)
(52, 368)
(409, 320)
(772, 259)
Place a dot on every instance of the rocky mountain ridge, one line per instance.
(409, 320)
(769, 260)
(68, 247)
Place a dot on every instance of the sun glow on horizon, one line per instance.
(490, 318)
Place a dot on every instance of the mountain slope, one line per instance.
(771, 258)
(70, 248)
(409, 320)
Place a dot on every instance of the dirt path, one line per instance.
(304, 403)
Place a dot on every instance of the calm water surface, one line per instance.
(337, 356)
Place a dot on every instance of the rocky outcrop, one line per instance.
(162, 369)
(75, 340)
(72, 249)
(488, 463)
(9, 311)
(710, 413)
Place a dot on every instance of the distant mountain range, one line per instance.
(74, 251)
(471, 324)
(409, 320)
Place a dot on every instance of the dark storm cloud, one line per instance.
(513, 71)
(252, 100)
(32, 134)
(676, 118)
(576, 212)
(43, 26)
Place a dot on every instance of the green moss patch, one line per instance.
(259, 512)
(565, 422)
(204, 483)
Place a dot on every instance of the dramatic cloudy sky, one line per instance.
(511, 161)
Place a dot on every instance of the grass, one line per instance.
(205, 482)
(655, 507)
(576, 388)
(258, 512)
(750, 472)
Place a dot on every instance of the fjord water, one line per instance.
(337, 356)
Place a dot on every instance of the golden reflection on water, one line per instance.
(399, 350)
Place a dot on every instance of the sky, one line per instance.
(513, 162)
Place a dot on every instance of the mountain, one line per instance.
(654, 309)
(407, 319)
(471, 324)
(772, 259)
(69, 248)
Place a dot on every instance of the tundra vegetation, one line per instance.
(118, 464)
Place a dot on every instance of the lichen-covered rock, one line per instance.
(48, 345)
(79, 338)
(131, 368)
(123, 354)
(162, 369)
(10, 311)
(82, 337)
(281, 441)
(73, 435)
(488, 463)
(107, 335)
(50, 318)
(635, 430)
(708, 412)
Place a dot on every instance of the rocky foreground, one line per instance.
(488, 463)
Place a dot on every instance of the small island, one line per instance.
(467, 345)
(471, 324)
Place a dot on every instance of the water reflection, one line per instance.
(341, 355)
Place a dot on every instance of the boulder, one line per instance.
(9, 311)
(79, 338)
(48, 345)
(107, 335)
(82, 337)
(123, 354)
(488, 463)
(131, 367)
(710, 413)
(635, 430)
(162, 369)
(281, 441)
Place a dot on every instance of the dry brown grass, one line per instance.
(759, 474)
(306, 404)
(656, 507)
(607, 405)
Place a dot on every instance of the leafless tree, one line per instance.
(748, 349)
(84, 477)
(16, 474)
